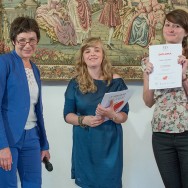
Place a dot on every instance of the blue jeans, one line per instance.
(26, 156)
(171, 154)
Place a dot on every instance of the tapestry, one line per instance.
(127, 28)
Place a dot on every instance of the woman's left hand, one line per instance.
(106, 112)
(184, 62)
(46, 154)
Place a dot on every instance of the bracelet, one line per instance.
(183, 80)
(114, 118)
(80, 121)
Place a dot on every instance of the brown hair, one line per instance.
(85, 81)
(180, 17)
(23, 25)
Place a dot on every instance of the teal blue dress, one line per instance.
(97, 153)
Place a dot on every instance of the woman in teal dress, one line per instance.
(97, 153)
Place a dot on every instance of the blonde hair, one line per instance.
(85, 81)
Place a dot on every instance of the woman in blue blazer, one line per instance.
(23, 141)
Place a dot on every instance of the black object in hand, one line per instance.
(48, 165)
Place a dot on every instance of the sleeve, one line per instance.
(125, 109)
(123, 86)
(70, 104)
(3, 82)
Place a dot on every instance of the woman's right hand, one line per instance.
(93, 121)
(5, 159)
(149, 67)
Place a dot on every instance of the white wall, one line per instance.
(140, 170)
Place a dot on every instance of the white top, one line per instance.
(34, 94)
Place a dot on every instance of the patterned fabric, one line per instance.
(34, 93)
(31, 78)
(110, 14)
(171, 110)
(80, 14)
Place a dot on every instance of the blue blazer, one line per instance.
(15, 101)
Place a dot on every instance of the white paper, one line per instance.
(119, 98)
(167, 73)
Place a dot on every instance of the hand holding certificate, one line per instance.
(119, 98)
(167, 73)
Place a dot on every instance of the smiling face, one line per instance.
(173, 33)
(27, 50)
(93, 56)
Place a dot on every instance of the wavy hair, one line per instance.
(23, 25)
(180, 17)
(85, 81)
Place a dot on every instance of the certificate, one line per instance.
(167, 73)
(119, 98)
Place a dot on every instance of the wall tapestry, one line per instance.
(127, 27)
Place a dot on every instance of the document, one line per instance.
(167, 73)
(119, 98)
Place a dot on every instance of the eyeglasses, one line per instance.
(23, 42)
